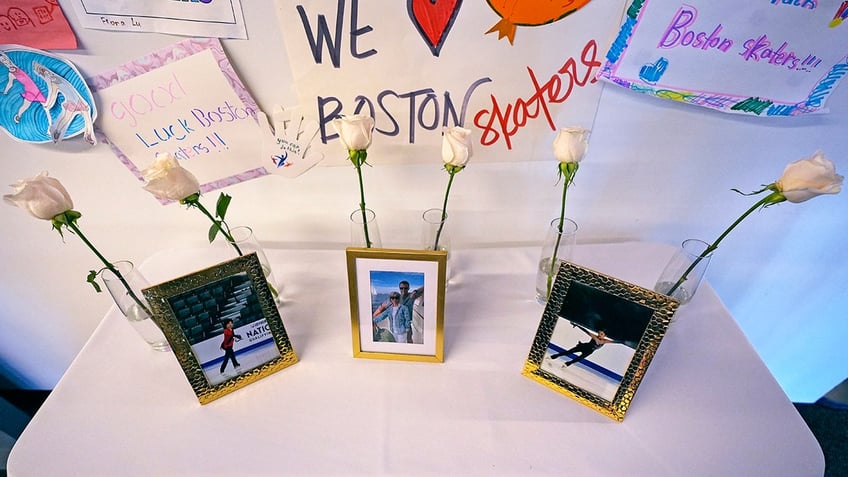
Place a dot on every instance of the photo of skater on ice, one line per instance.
(594, 339)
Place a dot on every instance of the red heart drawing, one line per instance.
(433, 19)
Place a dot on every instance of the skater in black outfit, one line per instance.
(596, 341)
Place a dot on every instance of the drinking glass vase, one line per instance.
(563, 243)
(357, 229)
(247, 242)
(687, 260)
(130, 305)
(434, 228)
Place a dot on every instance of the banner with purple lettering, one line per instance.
(185, 100)
(760, 57)
(513, 74)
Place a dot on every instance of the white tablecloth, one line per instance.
(707, 405)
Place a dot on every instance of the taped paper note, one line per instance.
(185, 100)
(221, 18)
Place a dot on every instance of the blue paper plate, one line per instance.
(27, 91)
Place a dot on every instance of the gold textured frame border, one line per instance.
(660, 307)
(433, 264)
(159, 297)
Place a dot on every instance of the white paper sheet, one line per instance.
(221, 18)
(185, 100)
(767, 57)
(376, 58)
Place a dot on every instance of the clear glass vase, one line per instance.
(563, 243)
(434, 232)
(133, 306)
(357, 229)
(247, 242)
(687, 260)
(435, 236)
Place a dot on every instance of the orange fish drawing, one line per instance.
(515, 13)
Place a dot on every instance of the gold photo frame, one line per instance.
(410, 328)
(597, 336)
(194, 312)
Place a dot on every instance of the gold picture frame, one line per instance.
(413, 328)
(597, 336)
(194, 311)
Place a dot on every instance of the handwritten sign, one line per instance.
(763, 57)
(35, 23)
(418, 66)
(221, 18)
(185, 100)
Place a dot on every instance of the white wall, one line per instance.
(657, 171)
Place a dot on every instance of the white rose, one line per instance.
(806, 178)
(571, 144)
(168, 180)
(355, 131)
(43, 197)
(456, 146)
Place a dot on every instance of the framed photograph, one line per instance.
(223, 326)
(597, 337)
(397, 303)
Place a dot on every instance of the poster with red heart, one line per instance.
(513, 73)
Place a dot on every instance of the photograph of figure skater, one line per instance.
(216, 316)
(595, 342)
(594, 339)
(230, 337)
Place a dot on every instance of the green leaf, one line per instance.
(72, 215)
(213, 230)
(453, 169)
(358, 157)
(191, 200)
(65, 219)
(221, 206)
(57, 226)
(92, 275)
